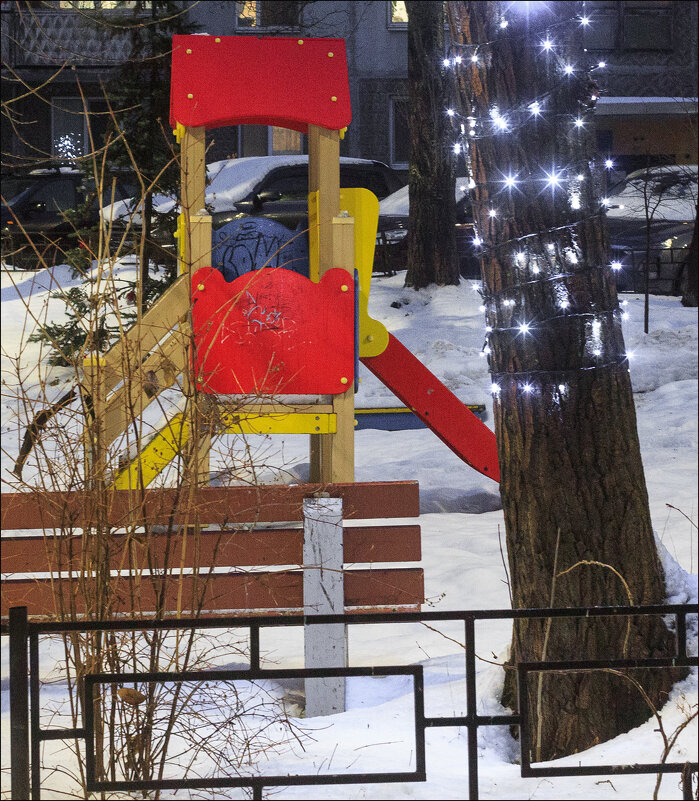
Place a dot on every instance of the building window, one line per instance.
(397, 14)
(284, 142)
(398, 132)
(629, 26)
(267, 14)
(68, 128)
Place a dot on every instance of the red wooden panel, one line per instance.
(232, 591)
(273, 331)
(241, 504)
(438, 407)
(233, 80)
(261, 547)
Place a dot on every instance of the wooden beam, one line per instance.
(220, 592)
(239, 504)
(256, 547)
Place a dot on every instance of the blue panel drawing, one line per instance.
(252, 243)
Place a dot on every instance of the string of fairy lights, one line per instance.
(550, 269)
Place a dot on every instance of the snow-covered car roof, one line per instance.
(229, 181)
(662, 193)
(398, 204)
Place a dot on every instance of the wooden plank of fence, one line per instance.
(244, 592)
(214, 505)
(263, 547)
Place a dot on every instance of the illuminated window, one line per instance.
(397, 14)
(267, 14)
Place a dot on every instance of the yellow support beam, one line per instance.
(292, 423)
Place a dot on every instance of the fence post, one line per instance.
(323, 594)
(19, 704)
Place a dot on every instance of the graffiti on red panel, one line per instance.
(273, 331)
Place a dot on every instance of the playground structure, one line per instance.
(273, 334)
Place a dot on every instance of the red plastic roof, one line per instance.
(234, 80)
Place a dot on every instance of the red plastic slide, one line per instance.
(438, 407)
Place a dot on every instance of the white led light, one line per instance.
(624, 303)
(624, 315)
(486, 350)
(584, 20)
(471, 183)
(457, 148)
(474, 58)
(450, 112)
(629, 354)
(495, 389)
(481, 308)
(536, 270)
(575, 201)
(535, 108)
(593, 97)
(568, 69)
(446, 62)
(503, 23)
(477, 241)
(553, 179)
(597, 352)
(489, 329)
(580, 177)
(475, 286)
(596, 326)
(501, 123)
(458, 60)
(578, 123)
(547, 44)
(564, 304)
(519, 258)
(562, 388)
(616, 265)
(472, 132)
(524, 328)
(510, 181)
(602, 65)
(492, 213)
(527, 388)
(605, 201)
(608, 163)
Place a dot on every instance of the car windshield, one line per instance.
(15, 189)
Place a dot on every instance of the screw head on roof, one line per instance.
(344, 288)
(200, 287)
(190, 96)
(330, 55)
(217, 39)
(188, 50)
(334, 99)
(300, 41)
(343, 380)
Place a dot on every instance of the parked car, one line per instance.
(259, 208)
(394, 213)
(651, 216)
(49, 204)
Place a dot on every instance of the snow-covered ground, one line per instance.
(461, 522)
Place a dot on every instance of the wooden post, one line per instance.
(196, 250)
(323, 594)
(331, 244)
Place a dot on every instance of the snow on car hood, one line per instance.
(663, 193)
(398, 204)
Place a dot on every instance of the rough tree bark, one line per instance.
(432, 257)
(573, 490)
(690, 288)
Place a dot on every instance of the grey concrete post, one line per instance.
(324, 594)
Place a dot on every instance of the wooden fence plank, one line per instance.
(263, 547)
(214, 505)
(220, 592)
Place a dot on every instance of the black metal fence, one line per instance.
(27, 733)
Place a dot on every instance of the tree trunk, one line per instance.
(432, 257)
(574, 497)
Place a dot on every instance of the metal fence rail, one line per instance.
(27, 734)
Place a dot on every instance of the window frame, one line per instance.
(396, 165)
(623, 10)
(390, 24)
(258, 20)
